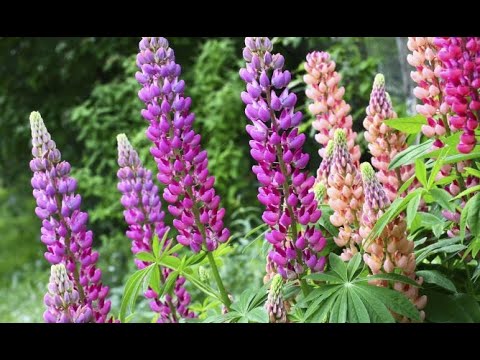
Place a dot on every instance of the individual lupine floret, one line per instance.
(286, 189)
(182, 165)
(144, 217)
(63, 301)
(345, 196)
(460, 57)
(330, 110)
(384, 142)
(392, 250)
(64, 229)
(277, 313)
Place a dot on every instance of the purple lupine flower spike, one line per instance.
(144, 217)
(286, 189)
(63, 301)
(64, 225)
(182, 164)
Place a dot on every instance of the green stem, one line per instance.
(218, 279)
(304, 287)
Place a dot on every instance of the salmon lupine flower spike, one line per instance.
(460, 57)
(64, 225)
(345, 196)
(392, 250)
(182, 164)
(144, 217)
(330, 110)
(430, 86)
(286, 188)
(384, 142)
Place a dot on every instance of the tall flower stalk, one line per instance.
(345, 196)
(391, 250)
(330, 110)
(182, 165)
(384, 142)
(64, 225)
(144, 217)
(286, 189)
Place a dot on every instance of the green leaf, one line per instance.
(434, 248)
(338, 265)
(406, 185)
(132, 287)
(155, 281)
(472, 171)
(155, 246)
(169, 261)
(342, 310)
(437, 278)
(453, 159)
(443, 308)
(412, 208)
(466, 192)
(437, 165)
(430, 220)
(409, 155)
(392, 212)
(169, 283)
(145, 256)
(407, 125)
(322, 312)
(357, 305)
(389, 277)
(328, 292)
(377, 311)
(473, 219)
(327, 277)
(258, 315)
(464, 217)
(443, 198)
(353, 266)
(325, 220)
(421, 172)
(394, 300)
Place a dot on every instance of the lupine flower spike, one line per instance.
(144, 217)
(64, 225)
(392, 250)
(461, 61)
(330, 110)
(63, 301)
(182, 164)
(277, 313)
(345, 196)
(384, 142)
(424, 58)
(286, 189)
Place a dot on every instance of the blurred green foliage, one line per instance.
(87, 94)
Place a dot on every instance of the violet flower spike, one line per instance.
(144, 217)
(64, 225)
(286, 189)
(182, 165)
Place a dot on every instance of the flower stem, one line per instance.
(226, 300)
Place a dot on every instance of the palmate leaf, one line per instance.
(347, 296)
(407, 125)
(437, 278)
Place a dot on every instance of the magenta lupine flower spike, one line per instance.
(392, 250)
(63, 301)
(461, 73)
(286, 189)
(429, 88)
(64, 230)
(330, 110)
(345, 196)
(384, 142)
(144, 217)
(182, 164)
